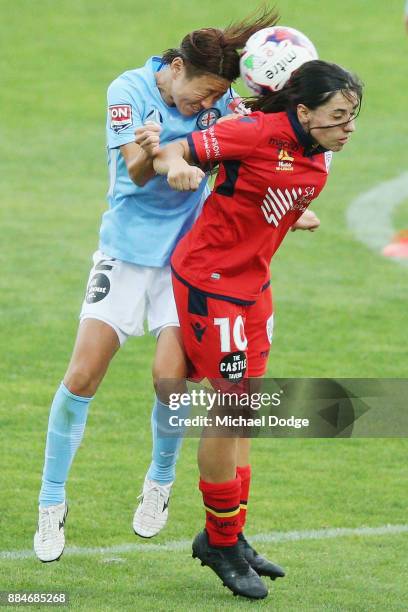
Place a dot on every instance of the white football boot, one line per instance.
(152, 513)
(49, 539)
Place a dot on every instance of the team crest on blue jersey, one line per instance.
(208, 117)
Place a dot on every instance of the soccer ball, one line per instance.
(271, 55)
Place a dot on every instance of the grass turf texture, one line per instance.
(400, 218)
(340, 312)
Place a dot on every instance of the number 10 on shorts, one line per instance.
(238, 334)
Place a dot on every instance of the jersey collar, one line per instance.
(311, 147)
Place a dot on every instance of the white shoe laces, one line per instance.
(154, 497)
(48, 520)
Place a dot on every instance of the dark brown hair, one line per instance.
(215, 51)
(312, 84)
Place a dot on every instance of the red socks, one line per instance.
(245, 474)
(221, 503)
(225, 506)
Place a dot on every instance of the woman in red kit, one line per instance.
(272, 164)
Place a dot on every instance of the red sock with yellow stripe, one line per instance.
(221, 503)
(245, 474)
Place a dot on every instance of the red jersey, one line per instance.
(270, 171)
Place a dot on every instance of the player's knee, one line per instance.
(165, 387)
(82, 381)
(168, 382)
(174, 367)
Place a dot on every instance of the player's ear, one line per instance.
(303, 114)
(177, 67)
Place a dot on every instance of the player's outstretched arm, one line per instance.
(308, 221)
(172, 161)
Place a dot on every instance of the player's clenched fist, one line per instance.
(183, 177)
(148, 137)
(180, 175)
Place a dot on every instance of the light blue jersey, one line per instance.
(144, 224)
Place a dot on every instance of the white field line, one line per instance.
(369, 216)
(275, 537)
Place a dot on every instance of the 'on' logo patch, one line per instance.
(120, 117)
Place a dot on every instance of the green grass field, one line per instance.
(341, 312)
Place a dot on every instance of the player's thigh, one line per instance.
(113, 309)
(169, 364)
(116, 295)
(259, 331)
(96, 344)
(161, 308)
(213, 335)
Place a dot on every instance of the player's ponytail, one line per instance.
(216, 51)
(313, 84)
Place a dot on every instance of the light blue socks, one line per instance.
(66, 426)
(65, 430)
(167, 441)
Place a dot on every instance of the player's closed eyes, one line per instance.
(343, 118)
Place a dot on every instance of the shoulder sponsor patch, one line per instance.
(207, 118)
(120, 117)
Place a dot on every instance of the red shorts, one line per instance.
(224, 339)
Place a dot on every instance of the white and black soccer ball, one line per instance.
(271, 55)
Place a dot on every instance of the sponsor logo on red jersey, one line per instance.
(211, 145)
(285, 161)
(277, 203)
(281, 143)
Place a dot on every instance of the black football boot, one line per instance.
(229, 565)
(262, 566)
